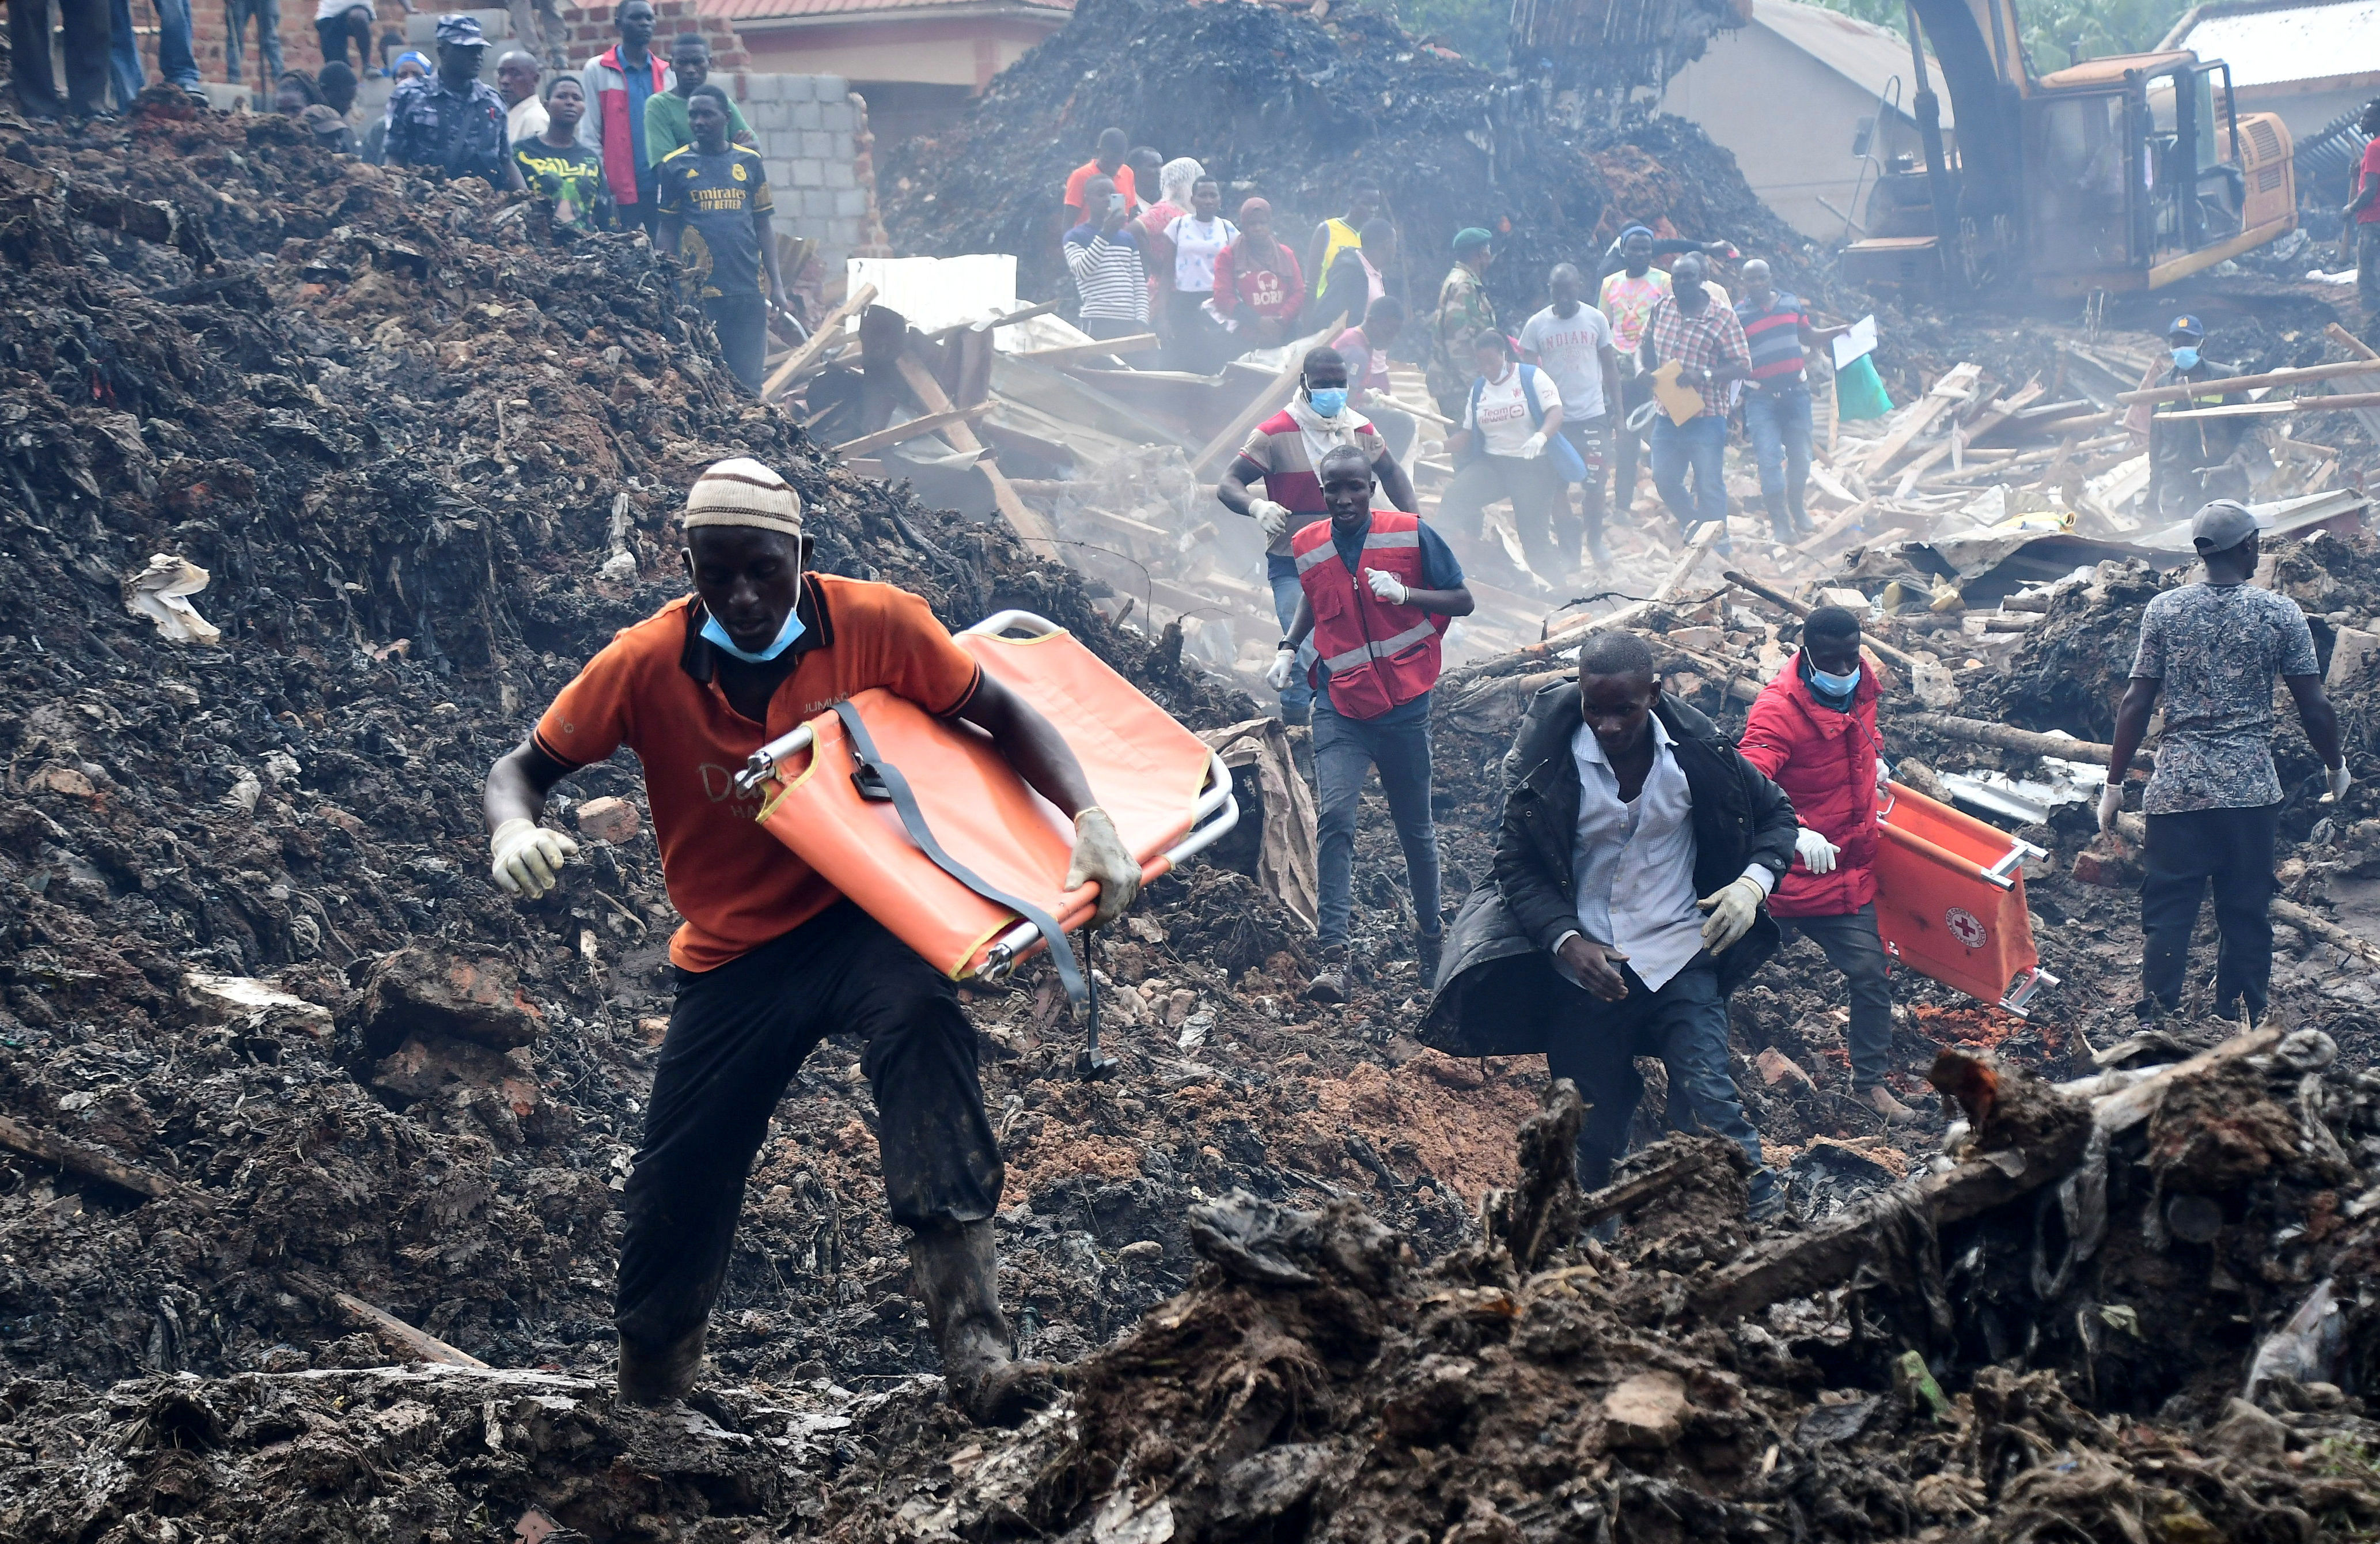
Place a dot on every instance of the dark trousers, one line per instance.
(1196, 344)
(2234, 849)
(1777, 418)
(1398, 745)
(88, 35)
(742, 323)
(1105, 327)
(266, 17)
(2367, 276)
(1586, 437)
(1634, 391)
(1594, 1044)
(333, 34)
(1851, 946)
(1533, 486)
(737, 1036)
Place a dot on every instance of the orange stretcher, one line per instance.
(861, 791)
(1949, 900)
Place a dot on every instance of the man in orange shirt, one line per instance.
(772, 959)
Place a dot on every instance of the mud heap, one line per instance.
(1291, 109)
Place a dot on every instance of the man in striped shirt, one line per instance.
(1103, 253)
(1777, 401)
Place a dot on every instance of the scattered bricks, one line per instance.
(2109, 862)
(1645, 1411)
(1777, 1067)
(608, 820)
(417, 991)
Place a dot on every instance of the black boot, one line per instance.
(1428, 948)
(957, 1270)
(1329, 983)
(660, 1375)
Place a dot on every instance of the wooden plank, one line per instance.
(1136, 343)
(829, 330)
(89, 1161)
(942, 335)
(1948, 390)
(892, 435)
(2290, 409)
(401, 1337)
(1790, 607)
(2229, 384)
(1040, 535)
(1208, 463)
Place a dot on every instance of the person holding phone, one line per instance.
(1104, 254)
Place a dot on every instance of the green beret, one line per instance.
(1470, 237)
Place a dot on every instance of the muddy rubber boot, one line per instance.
(657, 1376)
(958, 1271)
(1880, 1099)
(1329, 983)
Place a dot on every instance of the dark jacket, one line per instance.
(1740, 817)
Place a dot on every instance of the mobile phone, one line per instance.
(1116, 204)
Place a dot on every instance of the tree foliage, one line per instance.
(2056, 32)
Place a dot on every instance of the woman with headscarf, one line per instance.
(409, 65)
(1258, 289)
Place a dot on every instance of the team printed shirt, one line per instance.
(2215, 649)
(653, 689)
(1569, 348)
(1704, 341)
(717, 196)
(461, 133)
(1775, 337)
(571, 175)
(1627, 303)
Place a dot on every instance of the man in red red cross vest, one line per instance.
(1379, 589)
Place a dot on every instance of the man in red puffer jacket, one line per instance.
(1812, 732)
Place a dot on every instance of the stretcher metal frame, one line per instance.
(2002, 874)
(1216, 813)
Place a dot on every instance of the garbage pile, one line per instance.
(1281, 105)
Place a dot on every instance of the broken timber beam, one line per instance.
(1751, 586)
(89, 1161)
(829, 330)
(2232, 384)
(895, 434)
(1040, 535)
(1137, 343)
(1209, 462)
(1950, 388)
(401, 1337)
(2026, 741)
(2288, 407)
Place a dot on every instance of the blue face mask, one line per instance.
(1329, 401)
(1834, 685)
(713, 633)
(2185, 358)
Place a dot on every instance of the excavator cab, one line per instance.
(2139, 171)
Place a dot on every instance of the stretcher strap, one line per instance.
(883, 774)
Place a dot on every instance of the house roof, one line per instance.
(2269, 43)
(1867, 56)
(879, 10)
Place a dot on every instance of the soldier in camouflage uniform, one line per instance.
(453, 121)
(1463, 313)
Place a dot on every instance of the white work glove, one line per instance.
(1731, 913)
(2339, 779)
(2111, 804)
(1101, 855)
(1272, 518)
(1883, 777)
(1386, 587)
(1534, 446)
(1284, 665)
(527, 856)
(1816, 852)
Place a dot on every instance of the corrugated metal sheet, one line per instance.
(770, 10)
(2269, 46)
(1859, 51)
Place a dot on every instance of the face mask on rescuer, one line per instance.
(1834, 685)
(713, 632)
(2185, 358)
(1329, 401)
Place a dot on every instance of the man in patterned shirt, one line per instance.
(1707, 342)
(2214, 802)
(452, 122)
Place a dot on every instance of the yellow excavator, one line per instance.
(2118, 174)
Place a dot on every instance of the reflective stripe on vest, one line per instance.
(1384, 649)
(1377, 541)
(1378, 656)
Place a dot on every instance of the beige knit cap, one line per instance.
(741, 492)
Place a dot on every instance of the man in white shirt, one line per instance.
(1635, 860)
(517, 81)
(1573, 343)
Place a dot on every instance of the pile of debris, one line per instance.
(1280, 104)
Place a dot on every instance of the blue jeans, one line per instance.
(1850, 944)
(266, 14)
(1397, 744)
(1778, 421)
(1596, 1045)
(175, 60)
(1297, 698)
(1699, 444)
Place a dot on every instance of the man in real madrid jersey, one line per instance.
(715, 208)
